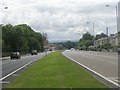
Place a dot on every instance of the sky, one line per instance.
(61, 20)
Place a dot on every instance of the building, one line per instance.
(112, 39)
(101, 41)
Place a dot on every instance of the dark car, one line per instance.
(34, 52)
(15, 55)
(118, 50)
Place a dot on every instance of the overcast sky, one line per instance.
(61, 19)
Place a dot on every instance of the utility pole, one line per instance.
(118, 22)
(107, 39)
(117, 8)
(78, 39)
(94, 35)
(93, 26)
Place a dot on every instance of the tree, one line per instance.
(40, 37)
(21, 41)
(69, 44)
(33, 44)
(87, 36)
(7, 33)
(86, 41)
(21, 38)
(102, 35)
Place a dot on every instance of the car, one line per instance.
(118, 50)
(50, 49)
(34, 52)
(72, 49)
(15, 55)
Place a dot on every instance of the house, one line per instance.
(112, 39)
(101, 41)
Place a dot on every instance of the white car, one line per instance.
(72, 49)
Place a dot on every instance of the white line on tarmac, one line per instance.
(4, 82)
(16, 70)
(93, 71)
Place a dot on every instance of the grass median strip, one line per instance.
(55, 71)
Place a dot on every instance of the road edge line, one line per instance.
(18, 69)
(94, 72)
(15, 71)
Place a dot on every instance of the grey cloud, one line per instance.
(60, 18)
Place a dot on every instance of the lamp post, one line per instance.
(94, 35)
(77, 41)
(118, 24)
(107, 39)
(93, 26)
(1, 45)
(6, 8)
(116, 13)
(78, 34)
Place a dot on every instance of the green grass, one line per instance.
(55, 71)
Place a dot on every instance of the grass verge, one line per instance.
(55, 71)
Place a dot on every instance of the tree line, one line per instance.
(87, 40)
(69, 44)
(21, 38)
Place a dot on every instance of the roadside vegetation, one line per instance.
(21, 38)
(55, 71)
(87, 42)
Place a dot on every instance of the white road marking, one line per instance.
(21, 67)
(16, 70)
(93, 71)
(116, 79)
(4, 82)
(13, 60)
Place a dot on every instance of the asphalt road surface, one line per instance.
(9, 66)
(103, 63)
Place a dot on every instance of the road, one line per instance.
(106, 64)
(8, 66)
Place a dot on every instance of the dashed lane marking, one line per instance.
(16, 70)
(4, 82)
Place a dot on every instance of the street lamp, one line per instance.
(6, 8)
(78, 34)
(93, 24)
(116, 13)
(107, 39)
